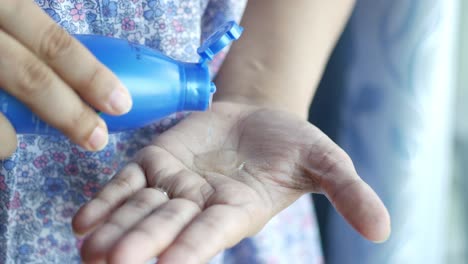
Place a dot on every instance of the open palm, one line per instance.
(227, 173)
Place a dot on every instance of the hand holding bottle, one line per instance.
(55, 76)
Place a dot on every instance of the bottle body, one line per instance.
(159, 86)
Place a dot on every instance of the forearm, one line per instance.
(280, 58)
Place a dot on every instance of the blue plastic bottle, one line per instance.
(159, 85)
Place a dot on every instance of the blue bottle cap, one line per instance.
(219, 40)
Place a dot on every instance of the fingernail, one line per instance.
(98, 139)
(120, 101)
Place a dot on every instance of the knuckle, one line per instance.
(147, 233)
(80, 123)
(192, 251)
(142, 204)
(165, 216)
(331, 160)
(170, 215)
(188, 205)
(104, 201)
(54, 43)
(212, 224)
(33, 78)
(83, 115)
(147, 156)
(123, 185)
(343, 158)
(341, 189)
(146, 151)
(113, 224)
(94, 79)
(173, 213)
(144, 201)
(328, 163)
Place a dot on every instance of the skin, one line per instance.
(38, 66)
(230, 170)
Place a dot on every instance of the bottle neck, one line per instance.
(198, 87)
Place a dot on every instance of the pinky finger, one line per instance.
(8, 139)
(126, 183)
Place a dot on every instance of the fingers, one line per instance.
(72, 62)
(8, 141)
(164, 171)
(39, 67)
(217, 228)
(126, 183)
(28, 79)
(350, 195)
(155, 233)
(145, 225)
(136, 208)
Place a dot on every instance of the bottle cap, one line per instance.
(220, 39)
(199, 88)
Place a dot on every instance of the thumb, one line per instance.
(349, 194)
(8, 139)
(362, 208)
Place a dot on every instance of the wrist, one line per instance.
(284, 103)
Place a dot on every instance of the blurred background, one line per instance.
(457, 250)
(394, 97)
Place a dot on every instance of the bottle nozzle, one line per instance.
(212, 88)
